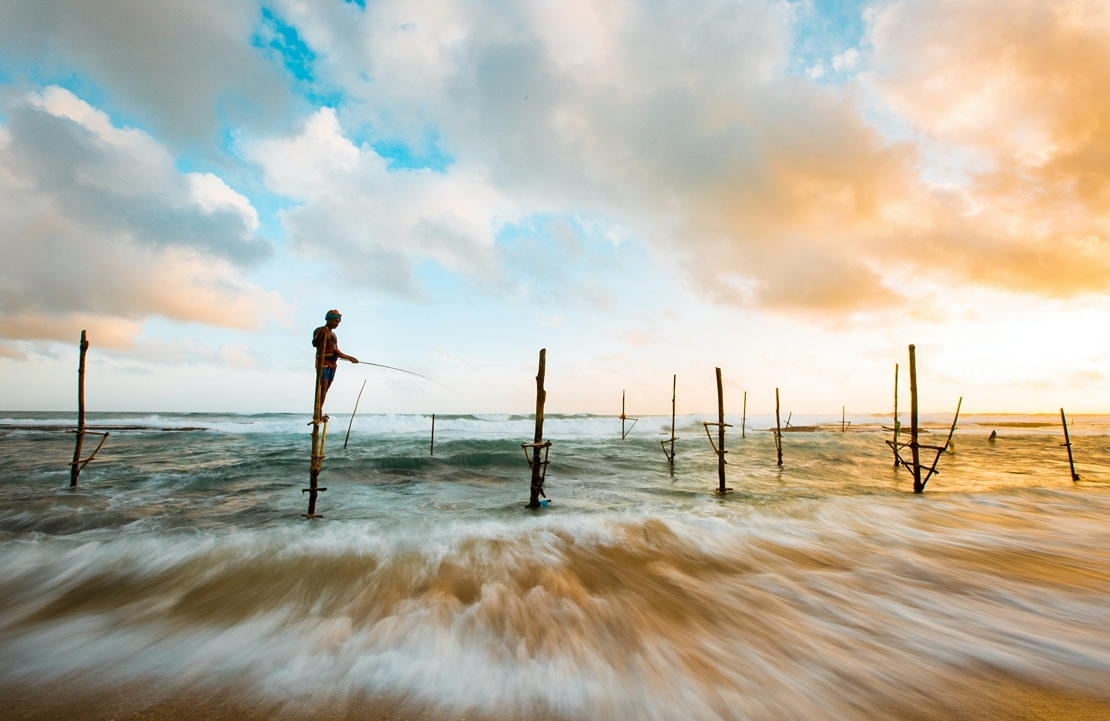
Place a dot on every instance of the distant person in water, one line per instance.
(325, 341)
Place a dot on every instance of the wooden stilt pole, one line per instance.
(670, 456)
(897, 428)
(539, 467)
(843, 428)
(915, 449)
(624, 433)
(744, 416)
(78, 465)
(432, 447)
(318, 438)
(1067, 443)
(719, 446)
(778, 428)
(720, 434)
(75, 468)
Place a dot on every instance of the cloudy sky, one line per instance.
(792, 191)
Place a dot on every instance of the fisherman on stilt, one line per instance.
(325, 340)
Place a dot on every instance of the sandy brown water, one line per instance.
(179, 581)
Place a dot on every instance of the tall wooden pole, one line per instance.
(778, 428)
(537, 465)
(622, 416)
(432, 447)
(317, 459)
(1067, 443)
(744, 416)
(918, 487)
(842, 427)
(720, 434)
(75, 468)
(896, 429)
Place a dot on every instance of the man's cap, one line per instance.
(333, 315)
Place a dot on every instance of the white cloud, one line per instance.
(102, 231)
(182, 68)
(375, 224)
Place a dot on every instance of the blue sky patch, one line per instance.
(284, 40)
(405, 156)
(823, 31)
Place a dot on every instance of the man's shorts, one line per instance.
(328, 374)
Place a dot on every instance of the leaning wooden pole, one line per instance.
(1067, 443)
(915, 449)
(744, 416)
(352, 423)
(319, 437)
(778, 428)
(75, 467)
(539, 467)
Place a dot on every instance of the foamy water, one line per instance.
(812, 591)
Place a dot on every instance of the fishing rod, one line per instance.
(402, 370)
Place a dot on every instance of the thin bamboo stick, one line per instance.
(744, 416)
(360, 390)
(778, 429)
(894, 445)
(670, 456)
(432, 446)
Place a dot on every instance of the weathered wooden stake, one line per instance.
(719, 446)
(77, 465)
(539, 467)
(744, 416)
(318, 438)
(360, 390)
(720, 434)
(670, 456)
(1067, 442)
(74, 469)
(778, 428)
(624, 433)
(897, 428)
(843, 428)
(915, 447)
(915, 450)
(432, 447)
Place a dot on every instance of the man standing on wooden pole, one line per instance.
(327, 346)
(327, 358)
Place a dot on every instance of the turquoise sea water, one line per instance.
(810, 591)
